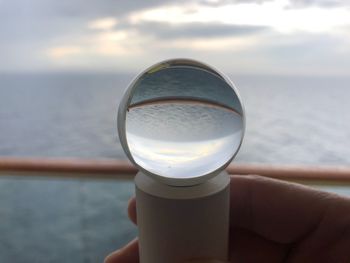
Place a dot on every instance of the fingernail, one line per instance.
(111, 256)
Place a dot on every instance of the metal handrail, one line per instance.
(121, 169)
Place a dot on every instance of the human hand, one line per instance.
(274, 221)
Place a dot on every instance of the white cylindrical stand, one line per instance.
(182, 223)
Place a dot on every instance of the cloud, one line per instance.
(292, 3)
(103, 23)
(63, 51)
(46, 19)
(320, 3)
(226, 2)
(274, 14)
(238, 36)
(196, 30)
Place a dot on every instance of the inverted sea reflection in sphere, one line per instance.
(180, 139)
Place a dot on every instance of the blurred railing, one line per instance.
(120, 169)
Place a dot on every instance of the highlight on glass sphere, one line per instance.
(183, 120)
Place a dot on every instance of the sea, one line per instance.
(294, 120)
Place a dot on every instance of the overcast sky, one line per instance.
(309, 37)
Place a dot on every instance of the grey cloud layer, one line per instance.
(321, 3)
(29, 28)
(41, 19)
(293, 3)
(48, 20)
(38, 20)
(196, 30)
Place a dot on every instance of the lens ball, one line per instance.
(183, 120)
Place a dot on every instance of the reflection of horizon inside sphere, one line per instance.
(186, 129)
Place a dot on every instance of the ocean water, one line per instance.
(185, 139)
(290, 120)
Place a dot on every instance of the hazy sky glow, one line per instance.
(267, 37)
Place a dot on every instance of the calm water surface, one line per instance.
(289, 119)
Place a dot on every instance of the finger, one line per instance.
(249, 247)
(127, 254)
(132, 210)
(279, 211)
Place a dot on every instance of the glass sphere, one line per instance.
(182, 120)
